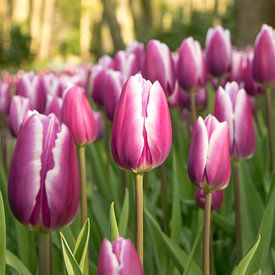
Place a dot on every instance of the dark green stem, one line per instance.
(163, 194)
(193, 106)
(44, 254)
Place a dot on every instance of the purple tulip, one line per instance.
(237, 66)
(77, 114)
(43, 184)
(119, 258)
(142, 132)
(137, 49)
(158, 65)
(99, 125)
(53, 105)
(30, 85)
(106, 61)
(233, 105)
(218, 51)
(5, 97)
(126, 63)
(216, 201)
(264, 56)
(209, 156)
(190, 67)
(18, 108)
(114, 82)
(52, 85)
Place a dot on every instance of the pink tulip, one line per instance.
(126, 63)
(5, 97)
(53, 105)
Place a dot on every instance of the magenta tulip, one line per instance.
(137, 49)
(216, 201)
(158, 65)
(5, 97)
(264, 56)
(190, 66)
(233, 105)
(218, 51)
(43, 184)
(53, 105)
(77, 114)
(18, 108)
(99, 125)
(142, 133)
(52, 85)
(237, 66)
(209, 156)
(119, 258)
(106, 61)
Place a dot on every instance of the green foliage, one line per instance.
(2, 237)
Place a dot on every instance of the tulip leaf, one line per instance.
(14, 262)
(179, 256)
(71, 264)
(82, 244)
(242, 267)
(114, 232)
(124, 216)
(2, 237)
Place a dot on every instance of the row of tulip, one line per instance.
(49, 114)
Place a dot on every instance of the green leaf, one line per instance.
(241, 269)
(81, 246)
(114, 232)
(71, 264)
(15, 263)
(2, 237)
(124, 216)
(179, 256)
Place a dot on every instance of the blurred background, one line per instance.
(49, 33)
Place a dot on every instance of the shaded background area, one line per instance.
(39, 33)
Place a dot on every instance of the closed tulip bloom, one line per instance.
(77, 114)
(5, 97)
(190, 67)
(106, 61)
(53, 105)
(237, 66)
(158, 65)
(99, 125)
(218, 51)
(216, 201)
(18, 108)
(137, 49)
(113, 86)
(209, 156)
(126, 63)
(119, 258)
(43, 184)
(264, 56)
(233, 105)
(142, 132)
(30, 85)
(52, 85)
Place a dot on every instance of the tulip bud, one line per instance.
(18, 108)
(233, 105)
(142, 132)
(126, 63)
(190, 67)
(216, 201)
(5, 97)
(99, 125)
(209, 157)
(158, 65)
(218, 51)
(43, 184)
(119, 258)
(137, 49)
(264, 56)
(52, 85)
(77, 114)
(237, 66)
(106, 61)
(53, 105)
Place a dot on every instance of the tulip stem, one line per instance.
(164, 198)
(206, 234)
(269, 126)
(193, 106)
(44, 253)
(237, 196)
(139, 216)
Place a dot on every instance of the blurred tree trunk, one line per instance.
(20, 11)
(250, 16)
(35, 23)
(46, 29)
(5, 24)
(109, 13)
(85, 29)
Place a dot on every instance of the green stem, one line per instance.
(206, 234)
(269, 126)
(237, 205)
(44, 254)
(139, 216)
(193, 106)
(163, 194)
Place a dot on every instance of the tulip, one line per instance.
(52, 85)
(119, 258)
(218, 51)
(43, 184)
(264, 56)
(190, 66)
(237, 66)
(5, 97)
(106, 61)
(158, 65)
(232, 104)
(53, 105)
(126, 63)
(77, 114)
(137, 49)
(209, 157)
(216, 202)
(18, 108)
(99, 125)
